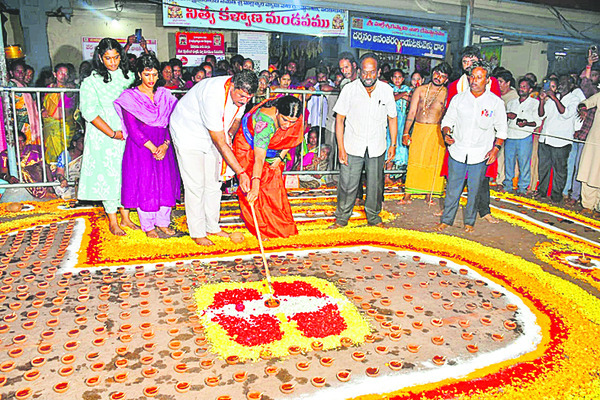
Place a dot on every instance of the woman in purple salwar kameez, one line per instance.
(151, 181)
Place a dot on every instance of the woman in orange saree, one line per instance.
(265, 136)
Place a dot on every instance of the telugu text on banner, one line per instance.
(391, 37)
(256, 16)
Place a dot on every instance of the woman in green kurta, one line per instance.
(104, 143)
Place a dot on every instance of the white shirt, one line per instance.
(561, 125)
(527, 110)
(201, 110)
(475, 122)
(366, 117)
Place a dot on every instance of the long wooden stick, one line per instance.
(262, 250)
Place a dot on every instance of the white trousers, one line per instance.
(200, 173)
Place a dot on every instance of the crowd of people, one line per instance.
(130, 141)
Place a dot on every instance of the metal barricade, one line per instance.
(17, 93)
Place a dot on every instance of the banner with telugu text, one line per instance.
(391, 37)
(256, 16)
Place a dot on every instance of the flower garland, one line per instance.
(238, 324)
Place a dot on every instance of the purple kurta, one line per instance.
(148, 184)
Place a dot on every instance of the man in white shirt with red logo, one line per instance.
(364, 109)
(474, 129)
(202, 125)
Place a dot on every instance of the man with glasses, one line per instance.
(364, 109)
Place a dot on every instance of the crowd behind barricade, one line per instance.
(438, 134)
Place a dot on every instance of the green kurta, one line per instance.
(102, 156)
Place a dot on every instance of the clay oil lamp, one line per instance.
(498, 337)
(44, 348)
(437, 340)
(402, 264)
(448, 305)
(486, 321)
(7, 366)
(93, 356)
(37, 362)
(149, 347)
(121, 350)
(472, 348)
(359, 278)
(23, 394)
(437, 322)
(358, 356)
(372, 372)
(151, 391)
(407, 286)
(418, 309)
(71, 345)
(68, 359)
(395, 365)
(396, 336)
(411, 274)
(496, 293)
(472, 292)
(345, 341)
(463, 284)
(416, 258)
(417, 325)
(583, 260)
(272, 302)
(510, 325)
(386, 302)
(486, 305)
(181, 368)
(287, 388)
(343, 375)
(93, 381)
(211, 381)
(413, 348)
(99, 341)
(439, 360)
(456, 294)
(383, 350)
(240, 376)
(464, 323)
(31, 375)
(206, 364)
(444, 283)
(149, 372)
(16, 352)
(182, 387)
(368, 268)
(66, 371)
(294, 350)
(370, 338)
(436, 295)
(326, 361)
(318, 381)
(400, 313)
(512, 307)
(467, 336)
(342, 281)
(254, 395)
(408, 297)
(371, 311)
(301, 366)
(61, 387)
(100, 330)
(471, 306)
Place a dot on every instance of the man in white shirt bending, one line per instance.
(202, 126)
(474, 129)
(523, 118)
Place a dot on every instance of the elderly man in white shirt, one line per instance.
(474, 129)
(364, 110)
(560, 115)
(523, 118)
(200, 127)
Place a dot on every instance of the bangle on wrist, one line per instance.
(281, 158)
(255, 177)
(498, 146)
(114, 134)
